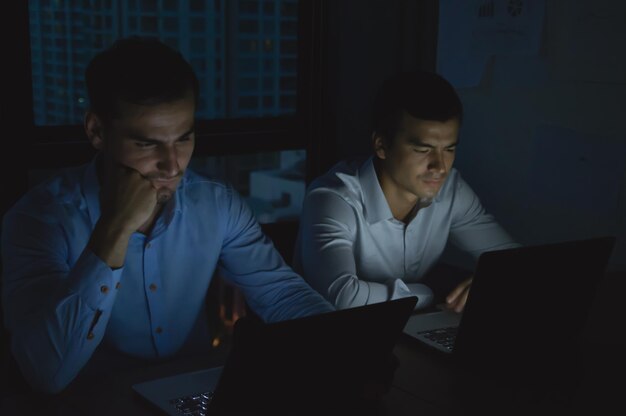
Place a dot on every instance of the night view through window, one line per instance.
(243, 51)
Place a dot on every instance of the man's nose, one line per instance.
(437, 162)
(168, 161)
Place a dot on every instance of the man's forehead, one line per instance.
(419, 130)
(139, 129)
(408, 118)
(420, 125)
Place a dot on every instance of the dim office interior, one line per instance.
(288, 90)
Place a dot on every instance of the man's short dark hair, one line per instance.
(137, 70)
(424, 95)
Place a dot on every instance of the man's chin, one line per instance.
(430, 190)
(165, 189)
(428, 196)
(164, 195)
(425, 202)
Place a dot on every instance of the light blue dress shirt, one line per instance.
(61, 301)
(353, 251)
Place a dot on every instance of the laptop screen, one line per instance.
(528, 306)
(322, 360)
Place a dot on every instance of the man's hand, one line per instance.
(127, 202)
(127, 199)
(457, 298)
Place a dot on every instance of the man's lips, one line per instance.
(433, 181)
(163, 179)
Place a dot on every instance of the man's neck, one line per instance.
(403, 205)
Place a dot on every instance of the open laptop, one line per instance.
(291, 367)
(526, 309)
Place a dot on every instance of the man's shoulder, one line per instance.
(198, 179)
(198, 186)
(342, 179)
(200, 194)
(456, 192)
(454, 185)
(53, 193)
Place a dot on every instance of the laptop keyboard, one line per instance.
(442, 336)
(194, 405)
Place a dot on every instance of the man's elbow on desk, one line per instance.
(45, 383)
(42, 375)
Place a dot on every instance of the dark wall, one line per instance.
(14, 111)
(366, 42)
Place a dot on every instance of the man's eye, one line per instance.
(451, 149)
(421, 150)
(144, 145)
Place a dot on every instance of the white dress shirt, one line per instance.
(354, 252)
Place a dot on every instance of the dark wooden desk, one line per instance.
(425, 383)
(113, 396)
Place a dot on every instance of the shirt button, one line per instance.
(104, 289)
(158, 330)
(148, 245)
(118, 285)
(153, 287)
(90, 335)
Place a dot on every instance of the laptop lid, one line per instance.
(528, 306)
(317, 363)
(311, 363)
(531, 278)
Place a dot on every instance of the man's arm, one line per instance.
(327, 257)
(56, 309)
(473, 230)
(249, 260)
(56, 314)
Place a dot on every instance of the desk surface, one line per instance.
(425, 383)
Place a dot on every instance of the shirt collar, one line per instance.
(91, 191)
(375, 204)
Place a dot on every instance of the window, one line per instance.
(246, 55)
(199, 29)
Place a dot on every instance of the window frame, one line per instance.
(54, 146)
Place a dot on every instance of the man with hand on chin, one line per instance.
(116, 256)
(374, 230)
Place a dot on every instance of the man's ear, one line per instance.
(380, 145)
(93, 129)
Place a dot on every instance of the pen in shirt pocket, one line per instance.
(96, 316)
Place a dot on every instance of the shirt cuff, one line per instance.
(93, 280)
(425, 296)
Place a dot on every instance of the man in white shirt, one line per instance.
(372, 230)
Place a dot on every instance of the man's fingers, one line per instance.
(460, 304)
(457, 298)
(453, 295)
(457, 291)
